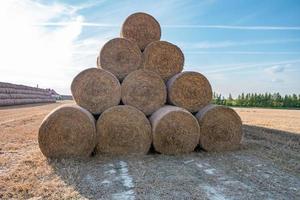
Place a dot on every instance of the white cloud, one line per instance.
(243, 66)
(224, 44)
(275, 69)
(195, 26)
(37, 55)
(243, 52)
(277, 80)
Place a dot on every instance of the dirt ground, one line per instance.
(285, 120)
(267, 165)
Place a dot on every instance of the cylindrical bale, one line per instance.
(189, 90)
(96, 90)
(120, 56)
(144, 90)
(174, 130)
(98, 62)
(6, 102)
(221, 128)
(68, 131)
(3, 90)
(164, 58)
(4, 96)
(123, 129)
(142, 28)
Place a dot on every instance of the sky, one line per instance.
(239, 45)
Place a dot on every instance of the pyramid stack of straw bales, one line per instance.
(12, 94)
(138, 96)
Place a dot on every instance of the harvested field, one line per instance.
(284, 120)
(266, 167)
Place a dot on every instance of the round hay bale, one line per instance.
(4, 90)
(164, 58)
(68, 131)
(144, 90)
(4, 96)
(189, 90)
(174, 130)
(142, 28)
(120, 56)
(221, 128)
(123, 130)
(98, 62)
(96, 90)
(6, 102)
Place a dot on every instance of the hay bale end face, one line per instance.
(164, 58)
(68, 131)
(123, 130)
(189, 90)
(141, 28)
(96, 90)
(144, 90)
(175, 130)
(221, 128)
(120, 56)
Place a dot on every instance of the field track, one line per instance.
(267, 166)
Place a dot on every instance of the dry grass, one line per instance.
(123, 129)
(121, 57)
(164, 58)
(68, 131)
(141, 28)
(96, 90)
(220, 128)
(189, 90)
(144, 90)
(264, 168)
(175, 130)
(284, 120)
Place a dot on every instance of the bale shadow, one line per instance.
(107, 177)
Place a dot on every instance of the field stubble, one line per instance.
(265, 167)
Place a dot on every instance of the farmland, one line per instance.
(265, 167)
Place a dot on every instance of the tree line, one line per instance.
(259, 100)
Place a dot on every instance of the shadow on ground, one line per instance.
(265, 167)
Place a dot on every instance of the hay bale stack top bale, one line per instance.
(189, 90)
(221, 128)
(68, 131)
(123, 130)
(174, 130)
(164, 58)
(141, 28)
(144, 90)
(120, 56)
(96, 90)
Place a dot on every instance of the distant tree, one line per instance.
(259, 100)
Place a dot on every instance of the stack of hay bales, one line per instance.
(139, 97)
(12, 94)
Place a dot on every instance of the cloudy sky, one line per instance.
(241, 46)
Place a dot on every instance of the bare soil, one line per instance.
(267, 165)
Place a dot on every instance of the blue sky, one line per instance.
(241, 46)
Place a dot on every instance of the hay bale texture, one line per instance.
(221, 128)
(13, 94)
(174, 130)
(68, 131)
(144, 90)
(123, 129)
(164, 58)
(120, 56)
(141, 28)
(189, 90)
(96, 90)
